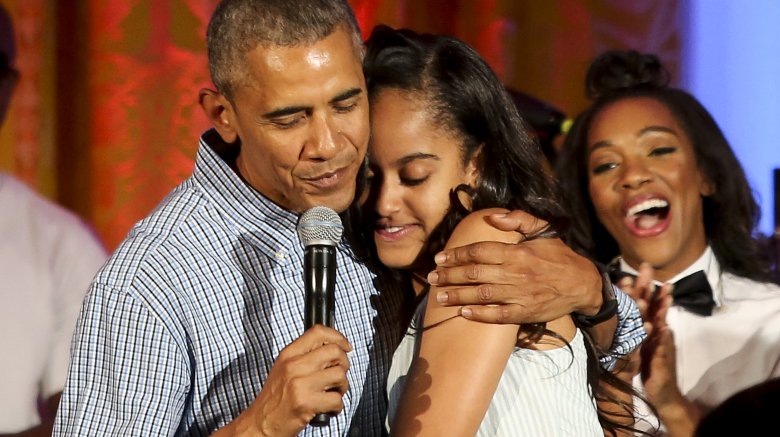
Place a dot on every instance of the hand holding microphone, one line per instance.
(320, 230)
(308, 380)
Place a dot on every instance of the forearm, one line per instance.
(458, 359)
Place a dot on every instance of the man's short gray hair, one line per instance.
(239, 26)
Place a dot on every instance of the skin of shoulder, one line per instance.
(449, 371)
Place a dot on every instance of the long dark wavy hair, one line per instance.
(730, 213)
(466, 98)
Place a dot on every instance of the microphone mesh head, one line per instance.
(320, 225)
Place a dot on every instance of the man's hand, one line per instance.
(532, 281)
(308, 377)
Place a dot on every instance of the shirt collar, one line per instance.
(253, 215)
(707, 263)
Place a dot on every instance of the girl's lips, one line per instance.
(392, 233)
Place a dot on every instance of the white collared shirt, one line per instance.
(736, 347)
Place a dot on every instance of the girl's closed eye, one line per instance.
(415, 173)
(663, 150)
(412, 182)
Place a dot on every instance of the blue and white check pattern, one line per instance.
(181, 327)
(629, 333)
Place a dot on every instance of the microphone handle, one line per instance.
(320, 300)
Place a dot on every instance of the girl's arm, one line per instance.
(453, 378)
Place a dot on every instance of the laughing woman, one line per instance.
(448, 149)
(650, 177)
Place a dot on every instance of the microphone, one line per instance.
(320, 230)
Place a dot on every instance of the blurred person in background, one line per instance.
(48, 257)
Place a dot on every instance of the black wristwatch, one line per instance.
(608, 305)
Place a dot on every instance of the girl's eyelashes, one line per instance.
(411, 182)
(663, 150)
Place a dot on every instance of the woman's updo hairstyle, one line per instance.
(616, 72)
(730, 213)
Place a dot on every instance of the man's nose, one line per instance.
(325, 139)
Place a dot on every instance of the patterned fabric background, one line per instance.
(105, 118)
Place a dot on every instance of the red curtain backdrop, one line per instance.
(105, 118)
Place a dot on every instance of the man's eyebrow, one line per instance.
(348, 94)
(288, 110)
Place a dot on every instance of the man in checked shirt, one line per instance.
(194, 326)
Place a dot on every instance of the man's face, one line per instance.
(302, 117)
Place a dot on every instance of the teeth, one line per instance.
(647, 204)
(393, 229)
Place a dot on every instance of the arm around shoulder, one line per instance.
(458, 358)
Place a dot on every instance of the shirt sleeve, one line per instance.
(629, 333)
(127, 374)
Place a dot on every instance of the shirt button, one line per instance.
(280, 254)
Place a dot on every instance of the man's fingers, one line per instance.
(517, 220)
(319, 392)
(315, 337)
(486, 252)
(482, 294)
(469, 274)
(319, 335)
(329, 355)
(500, 314)
(333, 379)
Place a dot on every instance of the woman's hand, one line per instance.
(656, 361)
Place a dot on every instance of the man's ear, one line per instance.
(220, 113)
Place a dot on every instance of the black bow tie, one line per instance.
(692, 292)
